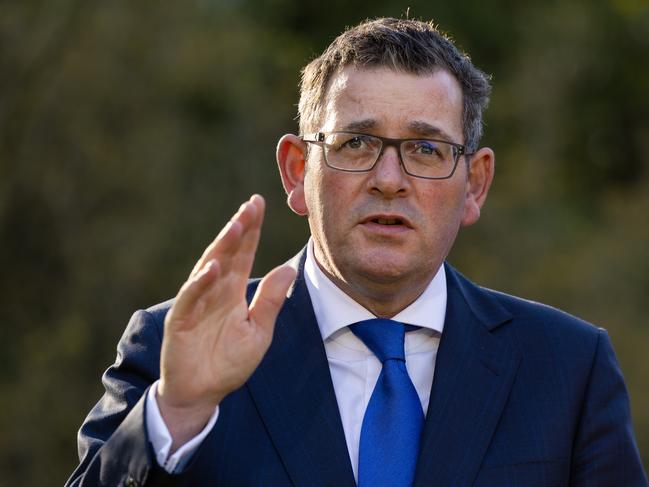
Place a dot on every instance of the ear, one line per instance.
(481, 174)
(291, 151)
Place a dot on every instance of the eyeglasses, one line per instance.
(422, 158)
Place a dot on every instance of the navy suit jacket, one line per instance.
(523, 395)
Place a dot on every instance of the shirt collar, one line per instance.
(335, 310)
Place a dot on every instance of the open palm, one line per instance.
(213, 340)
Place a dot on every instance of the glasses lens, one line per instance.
(428, 158)
(351, 152)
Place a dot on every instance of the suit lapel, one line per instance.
(294, 395)
(474, 372)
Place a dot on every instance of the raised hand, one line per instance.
(213, 340)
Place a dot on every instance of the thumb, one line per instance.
(270, 296)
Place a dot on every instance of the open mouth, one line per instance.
(387, 221)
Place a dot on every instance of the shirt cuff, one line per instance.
(161, 438)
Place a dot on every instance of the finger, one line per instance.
(237, 259)
(243, 258)
(229, 237)
(256, 219)
(228, 241)
(270, 296)
(193, 290)
(235, 252)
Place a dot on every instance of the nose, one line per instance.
(388, 177)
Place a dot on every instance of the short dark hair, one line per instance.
(408, 45)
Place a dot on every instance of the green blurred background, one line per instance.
(130, 131)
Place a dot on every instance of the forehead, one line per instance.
(393, 103)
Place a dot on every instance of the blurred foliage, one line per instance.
(130, 131)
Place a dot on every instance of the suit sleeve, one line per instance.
(114, 448)
(605, 452)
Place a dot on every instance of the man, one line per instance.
(289, 381)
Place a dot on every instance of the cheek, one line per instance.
(443, 214)
(323, 192)
(318, 197)
(313, 190)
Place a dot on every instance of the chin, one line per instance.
(383, 271)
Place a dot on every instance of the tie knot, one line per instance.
(383, 337)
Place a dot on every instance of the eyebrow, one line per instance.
(418, 127)
(360, 125)
(424, 129)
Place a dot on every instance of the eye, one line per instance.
(356, 142)
(426, 148)
(352, 143)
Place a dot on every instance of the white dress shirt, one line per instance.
(354, 368)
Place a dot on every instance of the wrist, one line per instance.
(183, 421)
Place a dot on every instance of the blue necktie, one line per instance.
(393, 419)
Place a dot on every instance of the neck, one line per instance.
(383, 299)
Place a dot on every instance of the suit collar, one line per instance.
(294, 394)
(485, 308)
(474, 372)
(335, 310)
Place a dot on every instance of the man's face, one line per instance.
(383, 229)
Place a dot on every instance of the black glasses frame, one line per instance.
(318, 138)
